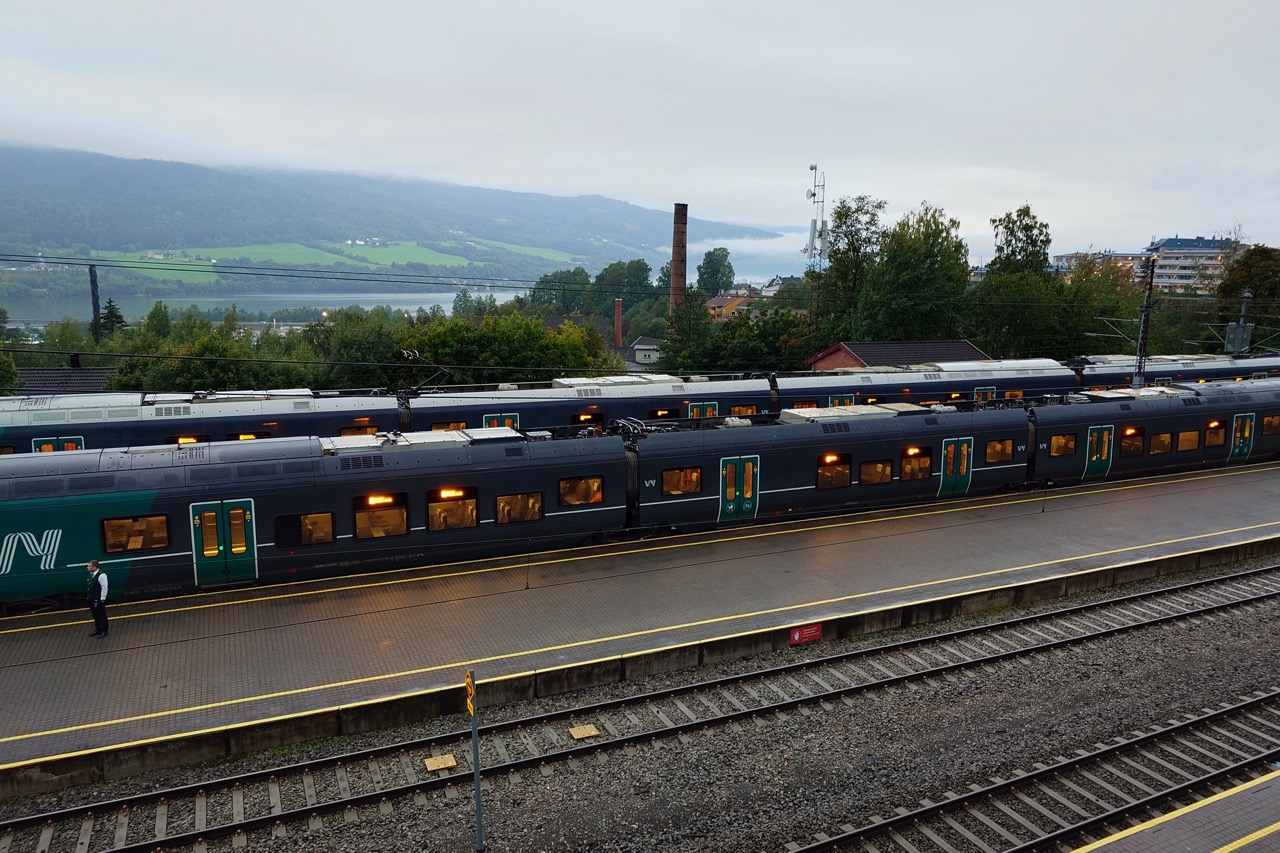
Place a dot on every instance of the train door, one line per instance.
(957, 467)
(57, 443)
(1241, 438)
(504, 419)
(739, 487)
(841, 400)
(1097, 463)
(704, 410)
(223, 543)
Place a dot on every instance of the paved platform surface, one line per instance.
(209, 661)
(1245, 819)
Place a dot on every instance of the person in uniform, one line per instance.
(97, 594)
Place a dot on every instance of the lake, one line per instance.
(45, 309)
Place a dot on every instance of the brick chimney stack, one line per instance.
(679, 252)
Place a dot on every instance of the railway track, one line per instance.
(289, 800)
(1079, 799)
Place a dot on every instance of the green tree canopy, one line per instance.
(913, 293)
(853, 248)
(715, 273)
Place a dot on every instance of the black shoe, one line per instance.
(96, 634)
(100, 636)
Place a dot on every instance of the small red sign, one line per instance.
(806, 634)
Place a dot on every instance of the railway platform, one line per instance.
(194, 678)
(1245, 818)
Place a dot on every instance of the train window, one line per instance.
(917, 463)
(141, 533)
(381, 515)
(1189, 440)
(513, 509)
(804, 404)
(1063, 444)
(875, 473)
(188, 439)
(445, 426)
(1000, 450)
(364, 429)
(1132, 440)
(451, 508)
(1270, 424)
(744, 410)
(1013, 395)
(1161, 443)
(576, 491)
(1215, 434)
(247, 436)
(835, 470)
(682, 481)
(296, 531)
(6, 449)
(704, 410)
(510, 420)
(656, 414)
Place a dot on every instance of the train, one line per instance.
(167, 519)
(45, 423)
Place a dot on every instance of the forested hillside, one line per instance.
(58, 201)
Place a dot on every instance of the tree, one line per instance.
(1022, 243)
(914, 291)
(1253, 276)
(689, 346)
(9, 382)
(1096, 293)
(853, 248)
(715, 273)
(1010, 313)
(559, 292)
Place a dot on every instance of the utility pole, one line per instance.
(1144, 327)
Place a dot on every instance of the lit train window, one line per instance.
(875, 473)
(513, 509)
(655, 414)
(1063, 444)
(804, 404)
(6, 449)
(578, 491)
(445, 426)
(1013, 395)
(380, 515)
(451, 508)
(298, 531)
(1189, 440)
(141, 533)
(682, 481)
(1000, 450)
(1131, 441)
(1161, 443)
(369, 429)
(247, 436)
(744, 410)
(1215, 434)
(917, 463)
(236, 520)
(1270, 424)
(835, 471)
(188, 439)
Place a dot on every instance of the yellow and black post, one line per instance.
(475, 756)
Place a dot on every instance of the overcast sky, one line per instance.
(1116, 121)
